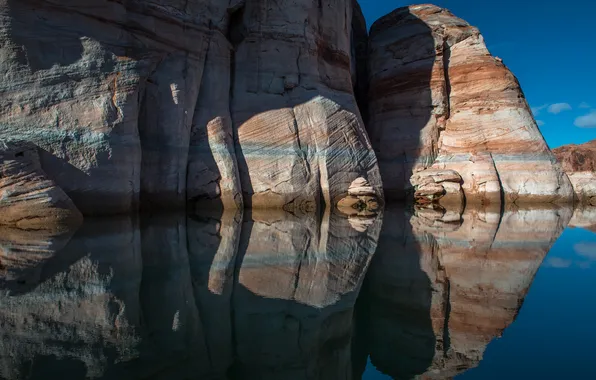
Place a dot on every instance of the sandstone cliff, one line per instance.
(439, 100)
(162, 103)
(579, 162)
(241, 103)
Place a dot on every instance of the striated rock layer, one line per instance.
(438, 99)
(160, 103)
(579, 162)
(28, 198)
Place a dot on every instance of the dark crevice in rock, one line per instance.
(446, 63)
(501, 193)
(447, 300)
(359, 51)
(236, 32)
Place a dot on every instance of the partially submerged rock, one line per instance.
(361, 200)
(438, 186)
(28, 198)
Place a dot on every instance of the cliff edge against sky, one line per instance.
(237, 104)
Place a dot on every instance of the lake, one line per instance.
(409, 293)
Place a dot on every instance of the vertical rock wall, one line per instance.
(439, 99)
(156, 103)
(300, 136)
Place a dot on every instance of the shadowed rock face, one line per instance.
(215, 295)
(160, 104)
(579, 162)
(439, 100)
(438, 292)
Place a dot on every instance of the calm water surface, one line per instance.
(407, 294)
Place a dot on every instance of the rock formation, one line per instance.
(439, 100)
(28, 198)
(579, 162)
(239, 103)
(162, 103)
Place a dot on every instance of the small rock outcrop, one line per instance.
(438, 99)
(579, 162)
(28, 198)
(443, 186)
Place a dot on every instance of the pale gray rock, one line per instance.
(154, 104)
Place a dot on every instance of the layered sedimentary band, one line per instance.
(197, 101)
(240, 104)
(438, 99)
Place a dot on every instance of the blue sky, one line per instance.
(549, 45)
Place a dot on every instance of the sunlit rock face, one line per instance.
(160, 104)
(184, 296)
(438, 292)
(300, 136)
(439, 100)
(579, 162)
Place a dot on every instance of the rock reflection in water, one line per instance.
(266, 295)
(176, 296)
(440, 289)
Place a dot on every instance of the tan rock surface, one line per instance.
(579, 162)
(107, 90)
(439, 99)
(28, 198)
(300, 136)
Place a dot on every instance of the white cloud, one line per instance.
(540, 123)
(557, 262)
(586, 121)
(536, 110)
(584, 105)
(586, 249)
(557, 108)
